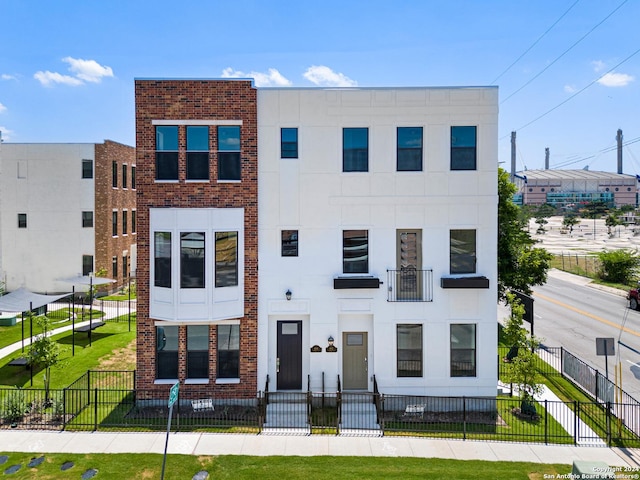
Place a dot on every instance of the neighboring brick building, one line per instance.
(58, 202)
(197, 227)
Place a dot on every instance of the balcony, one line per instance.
(410, 285)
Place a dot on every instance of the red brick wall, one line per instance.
(198, 100)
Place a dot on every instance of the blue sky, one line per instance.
(568, 70)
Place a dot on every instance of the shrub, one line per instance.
(14, 406)
(618, 266)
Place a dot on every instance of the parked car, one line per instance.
(634, 300)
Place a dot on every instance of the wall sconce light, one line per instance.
(330, 340)
(288, 294)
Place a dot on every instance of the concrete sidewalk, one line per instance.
(308, 445)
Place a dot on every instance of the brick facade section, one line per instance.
(108, 199)
(197, 100)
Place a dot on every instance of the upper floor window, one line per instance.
(124, 175)
(355, 149)
(87, 168)
(355, 251)
(288, 143)
(166, 153)
(133, 221)
(192, 269)
(114, 174)
(133, 177)
(226, 259)
(197, 153)
(229, 153)
(114, 223)
(409, 149)
(87, 219)
(462, 251)
(124, 222)
(162, 259)
(463, 148)
(289, 243)
(22, 220)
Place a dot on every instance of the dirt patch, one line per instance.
(121, 359)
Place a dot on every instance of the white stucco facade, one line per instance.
(312, 195)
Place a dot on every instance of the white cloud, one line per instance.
(6, 76)
(88, 70)
(2, 108)
(570, 89)
(598, 65)
(325, 77)
(49, 78)
(613, 79)
(6, 133)
(272, 78)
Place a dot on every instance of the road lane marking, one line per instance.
(586, 314)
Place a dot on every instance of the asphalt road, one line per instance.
(569, 313)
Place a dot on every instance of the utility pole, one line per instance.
(546, 158)
(619, 140)
(513, 157)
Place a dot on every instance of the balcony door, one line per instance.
(409, 259)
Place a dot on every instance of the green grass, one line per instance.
(277, 467)
(585, 266)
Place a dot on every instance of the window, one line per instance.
(226, 259)
(22, 220)
(409, 149)
(114, 223)
(133, 221)
(192, 260)
(125, 266)
(288, 143)
(197, 351)
(409, 350)
(87, 168)
(462, 251)
(355, 149)
(114, 267)
(124, 222)
(228, 153)
(463, 350)
(133, 177)
(124, 176)
(114, 174)
(167, 352)
(355, 251)
(162, 259)
(87, 264)
(228, 351)
(166, 153)
(197, 153)
(289, 243)
(463, 148)
(87, 219)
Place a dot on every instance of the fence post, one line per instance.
(546, 422)
(95, 411)
(576, 411)
(597, 386)
(64, 408)
(382, 416)
(608, 424)
(89, 386)
(464, 418)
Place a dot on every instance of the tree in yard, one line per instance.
(612, 221)
(541, 221)
(570, 220)
(44, 352)
(520, 264)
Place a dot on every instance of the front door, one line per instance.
(289, 360)
(355, 367)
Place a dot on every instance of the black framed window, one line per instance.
(463, 148)
(22, 220)
(289, 243)
(355, 149)
(114, 174)
(226, 259)
(167, 352)
(228, 351)
(125, 266)
(288, 143)
(124, 175)
(409, 350)
(463, 350)
(462, 251)
(133, 221)
(409, 148)
(197, 153)
(166, 153)
(162, 259)
(197, 351)
(87, 264)
(133, 177)
(124, 222)
(114, 267)
(355, 251)
(192, 260)
(229, 165)
(114, 223)
(87, 168)
(87, 219)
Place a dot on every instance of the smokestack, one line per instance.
(546, 158)
(513, 156)
(619, 140)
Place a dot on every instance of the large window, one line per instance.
(162, 259)
(228, 351)
(87, 168)
(409, 350)
(114, 223)
(87, 219)
(289, 243)
(124, 175)
(22, 220)
(124, 222)
(125, 267)
(355, 150)
(133, 221)
(192, 260)
(133, 177)
(114, 267)
(226, 259)
(87, 264)
(289, 143)
(409, 149)
(229, 153)
(167, 352)
(463, 148)
(114, 174)
(197, 153)
(197, 351)
(355, 251)
(166, 153)
(463, 350)
(462, 251)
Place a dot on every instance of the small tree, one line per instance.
(541, 221)
(612, 221)
(619, 266)
(570, 220)
(44, 352)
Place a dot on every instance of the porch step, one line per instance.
(358, 418)
(286, 416)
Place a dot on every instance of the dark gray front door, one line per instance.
(289, 361)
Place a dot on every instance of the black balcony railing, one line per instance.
(410, 285)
